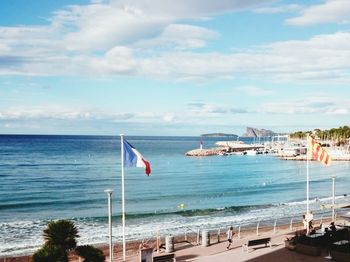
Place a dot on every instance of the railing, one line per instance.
(262, 227)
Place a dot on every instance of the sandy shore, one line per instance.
(187, 249)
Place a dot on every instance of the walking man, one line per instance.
(229, 236)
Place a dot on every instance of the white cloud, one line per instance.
(256, 91)
(278, 9)
(205, 108)
(144, 38)
(59, 112)
(311, 105)
(169, 117)
(102, 26)
(197, 108)
(178, 37)
(321, 58)
(339, 111)
(189, 8)
(331, 11)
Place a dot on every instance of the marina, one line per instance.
(285, 149)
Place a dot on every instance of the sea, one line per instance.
(45, 178)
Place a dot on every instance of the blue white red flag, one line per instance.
(133, 158)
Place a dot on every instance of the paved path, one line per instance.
(217, 252)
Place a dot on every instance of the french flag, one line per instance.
(133, 158)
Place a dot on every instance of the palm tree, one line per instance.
(62, 234)
(90, 254)
(49, 253)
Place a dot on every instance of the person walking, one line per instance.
(229, 234)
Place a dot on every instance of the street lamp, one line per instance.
(109, 193)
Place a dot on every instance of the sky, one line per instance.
(165, 67)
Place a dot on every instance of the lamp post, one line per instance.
(109, 193)
(333, 198)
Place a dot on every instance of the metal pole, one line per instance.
(257, 228)
(198, 234)
(307, 184)
(109, 193)
(274, 226)
(123, 194)
(157, 241)
(291, 225)
(239, 232)
(333, 198)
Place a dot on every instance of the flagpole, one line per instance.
(307, 185)
(123, 195)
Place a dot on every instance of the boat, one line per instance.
(251, 152)
(240, 153)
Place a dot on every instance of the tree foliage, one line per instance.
(61, 233)
(339, 135)
(49, 253)
(90, 253)
(60, 238)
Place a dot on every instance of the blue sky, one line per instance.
(164, 67)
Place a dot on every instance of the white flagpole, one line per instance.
(109, 193)
(333, 198)
(123, 196)
(307, 184)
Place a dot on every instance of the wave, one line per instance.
(47, 165)
(232, 210)
(313, 200)
(43, 204)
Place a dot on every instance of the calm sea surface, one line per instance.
(54, 177)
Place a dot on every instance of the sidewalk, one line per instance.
(217, 252)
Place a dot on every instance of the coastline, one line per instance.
(190, 240)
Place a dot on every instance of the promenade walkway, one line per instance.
(217, 252)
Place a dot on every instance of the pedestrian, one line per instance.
(229, 236)
(305, 223)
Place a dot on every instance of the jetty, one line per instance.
(206, 152)
(225, 147)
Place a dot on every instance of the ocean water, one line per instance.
(64, 177)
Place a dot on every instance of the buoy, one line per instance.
(182, 206)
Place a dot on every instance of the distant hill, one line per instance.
(219, 135)
(254, 132)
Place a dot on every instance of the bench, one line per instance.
(165, 258)
(256, 242)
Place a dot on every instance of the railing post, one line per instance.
(335, 216)
(198, 234)
(291, 225)
(239, 232)
(257, 228)
(157, 241)
(186, 235)
(321, 219)
(274, 226)
(219, 235)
